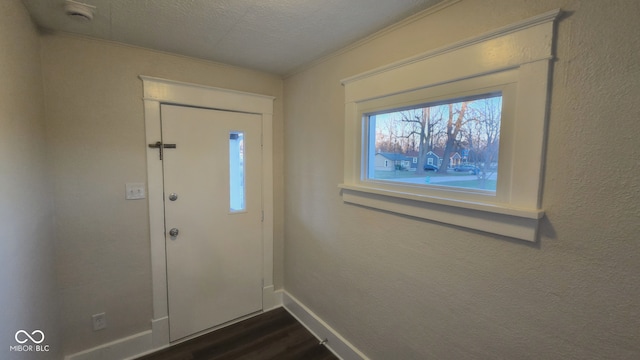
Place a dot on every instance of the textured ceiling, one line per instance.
(276, 36)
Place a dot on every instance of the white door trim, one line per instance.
(156, 92)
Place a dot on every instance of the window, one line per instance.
(468, 126)
(236, 172)
(477, 109)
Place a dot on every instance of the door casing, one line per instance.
(156, 92)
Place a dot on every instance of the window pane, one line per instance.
(236, 171)
(456, 144)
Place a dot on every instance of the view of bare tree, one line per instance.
(468, 129)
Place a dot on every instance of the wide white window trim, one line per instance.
(523, 50)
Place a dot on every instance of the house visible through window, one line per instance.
(461, 136)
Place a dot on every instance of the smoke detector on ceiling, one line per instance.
(79, 11)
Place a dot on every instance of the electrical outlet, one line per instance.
(135, 191)
(99, 321)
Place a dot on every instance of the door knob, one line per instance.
(174, 232)
(173, 196)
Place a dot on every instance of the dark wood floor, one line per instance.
(272, 335)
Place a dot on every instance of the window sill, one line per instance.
(492, 218)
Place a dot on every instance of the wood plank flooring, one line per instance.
(272, 335)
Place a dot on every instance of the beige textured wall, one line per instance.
(96, 138)
(27, 274)
(402, 288)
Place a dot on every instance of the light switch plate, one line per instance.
(135, 191)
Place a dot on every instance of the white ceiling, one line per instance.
(276, 36)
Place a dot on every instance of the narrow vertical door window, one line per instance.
(236, 172)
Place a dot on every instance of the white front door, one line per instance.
(212, 194)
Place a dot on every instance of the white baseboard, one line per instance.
(125, 348)
(160, 332)
(153, 340)
(342, 348)
(157, 338)
(271, 298)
